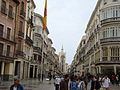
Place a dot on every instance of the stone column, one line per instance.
(100, 69)
(115, 70)
(28, 70)
(109, 51)
(89, 67)
(21, 69)
(3, 65)
(33, 71)
(101, 53)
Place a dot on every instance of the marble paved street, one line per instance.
(46, 85)
(30, 85)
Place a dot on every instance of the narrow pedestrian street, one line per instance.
(46, 85)
(30, 85)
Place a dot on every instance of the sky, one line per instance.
(66, 21)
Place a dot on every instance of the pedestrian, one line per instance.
(113, 78)
(117, 80)
(39, 76)
(42, 77)
(81, 85)
(57, 82)
(16, 85)
(64, 83)
(95, 84)
(73, 84)
(106, 83)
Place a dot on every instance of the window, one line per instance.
(3, 7)
(105, 2)
(115, 0)
(1, 30)
(1, 49)
(22, 6)
(8, 51)
(21, 26)
(8, 33)
(19, 45)
(10, 11)
(22, 9)
(35, 57)
(115, 53)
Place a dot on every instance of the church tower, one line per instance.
(62, 59)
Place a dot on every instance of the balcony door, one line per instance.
(1, 30)
(1, 49)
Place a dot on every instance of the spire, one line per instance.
(62, 49)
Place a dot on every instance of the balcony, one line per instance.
(111, 39)
(20, 53)
(30, 21)
(109, 20)
(37, 49)
(22, 13)
(5, 53)
(38, 35)
(21, 34)
(4, 36)
(29, 41)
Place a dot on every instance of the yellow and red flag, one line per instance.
(45, 16)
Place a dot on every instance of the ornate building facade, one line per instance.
(8, 13)
(101, 50)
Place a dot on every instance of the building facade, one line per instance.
(102, 49)
(8, 14)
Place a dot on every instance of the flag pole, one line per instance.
(44, 28)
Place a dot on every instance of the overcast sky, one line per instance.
(67, 21)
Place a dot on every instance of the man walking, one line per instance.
(16, 85)
(106, 83)
(57, 82)
(64, 83)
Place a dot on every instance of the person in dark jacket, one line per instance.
(95, 84)
(16, 85)
(64, 83)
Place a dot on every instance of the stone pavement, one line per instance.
(112, 87)
(30, 85)
(45, 85)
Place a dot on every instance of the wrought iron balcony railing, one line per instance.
(110, 39)
(109, 20)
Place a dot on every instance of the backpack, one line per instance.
(74, 85)
(97, 85)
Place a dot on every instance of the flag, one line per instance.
(45, 16)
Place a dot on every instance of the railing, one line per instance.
(5, 36)
(20, 53)
(38, 35)
(28, 39)
(30, 20)
(5, 53)
(111, 39)
(108, 20)
(21, 34)
(115, 58)
(38, 49)
(104, 58)
(22, 13)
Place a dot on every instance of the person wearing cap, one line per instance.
(16, 85)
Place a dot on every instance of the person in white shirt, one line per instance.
(106, 83)
(57, 82)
